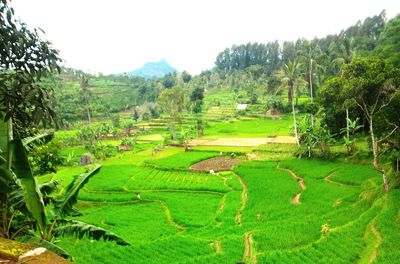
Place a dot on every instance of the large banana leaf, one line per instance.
(39, 139)
(43, 243)
(64, 204)
(32, 194)
(81, 229)
(49, 187)
(5, 179)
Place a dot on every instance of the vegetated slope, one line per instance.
(179, 216)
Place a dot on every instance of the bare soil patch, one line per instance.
(12, 251)
(216, 164)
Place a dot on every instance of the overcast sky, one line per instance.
(120, 35)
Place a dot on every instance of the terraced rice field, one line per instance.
(173, 215)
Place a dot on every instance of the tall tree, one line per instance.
(288, 51)
(372, 84)
(24, 59)
(310, 55)
(196, 99)
(290, 76)
(345, 52)
(171, 101)
(85, 93)
(389, 42)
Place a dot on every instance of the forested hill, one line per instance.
(363, 38)
(153, 69)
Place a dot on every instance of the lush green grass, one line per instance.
(188, 209)
(224, 149)
(290, 233)
(175, 180)
(181, 160)
(171, 215)
(250, 128)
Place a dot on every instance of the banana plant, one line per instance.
(29, 200)
(350, 130)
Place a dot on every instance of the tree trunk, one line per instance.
(375, 151)
(397, 159)
(295, 124)
(290, 95)
(173, 130)
(311, 91)
(88, 115)
(347, 123)
(311, 85)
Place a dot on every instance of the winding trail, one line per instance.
(379, 239)
(244, 199)
(222, 204)
(249, 250)
(299, 180)
(218, 247)
(167, 214)
(328, 179)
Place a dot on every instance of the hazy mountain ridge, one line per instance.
(153, 69)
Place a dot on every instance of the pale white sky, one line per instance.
(120, 35)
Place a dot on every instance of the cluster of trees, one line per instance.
(351, 80)
(273, 55)
(81, 96)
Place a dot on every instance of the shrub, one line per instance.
(45, 158)
(274, 104)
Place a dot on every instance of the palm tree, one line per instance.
(345, 52)
(85, 93)
(290, 76)
(310, 54)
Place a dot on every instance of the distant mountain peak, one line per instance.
(153, 69)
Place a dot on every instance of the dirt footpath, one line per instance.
(242, 142)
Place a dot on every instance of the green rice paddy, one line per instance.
(172, 215)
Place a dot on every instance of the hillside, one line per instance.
(153, 69)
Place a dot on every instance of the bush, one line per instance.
(102, 151)
(116, 121)
(128, 142)
(45, 158)
(274, 104)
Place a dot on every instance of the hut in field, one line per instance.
(241, 107)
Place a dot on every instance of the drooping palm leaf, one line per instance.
(80, 229)
(49, 187)
(32, 195)
(4, 180)
(2, 160)
(7, 177)
(64, 204)
(46, 244)
(39, 139)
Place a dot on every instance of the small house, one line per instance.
(241, 107)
